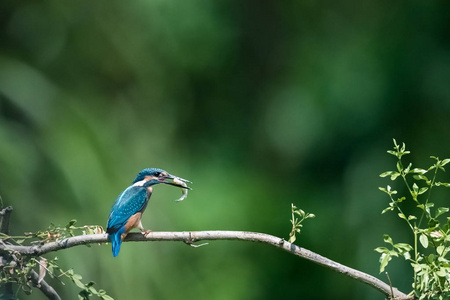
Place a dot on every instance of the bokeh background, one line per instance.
(260, 103)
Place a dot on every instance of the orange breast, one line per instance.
(133, 222)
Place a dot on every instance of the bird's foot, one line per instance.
(146, 232)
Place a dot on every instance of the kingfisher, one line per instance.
(127, 211)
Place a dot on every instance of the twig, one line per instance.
(50, 272)
(190, 237)
(390, 285)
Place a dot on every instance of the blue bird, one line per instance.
(130, 205)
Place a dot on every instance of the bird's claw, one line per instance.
(146, 232)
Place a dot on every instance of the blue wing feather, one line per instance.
(131, 201)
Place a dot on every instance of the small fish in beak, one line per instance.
(184, 191)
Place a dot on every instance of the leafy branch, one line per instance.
(430, 262)
(29, 271)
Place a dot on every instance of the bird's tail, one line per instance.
(116, 241)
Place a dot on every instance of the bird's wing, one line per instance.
(131, 201)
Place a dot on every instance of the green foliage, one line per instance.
(18, 268)
(429, 227)
(297, 223)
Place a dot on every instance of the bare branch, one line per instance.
(191, 237)
(5, 214)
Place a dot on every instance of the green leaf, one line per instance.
(402, 216)
(408, 168)
(387, 209)
(406, 255)
(90, 283)
(388, 173)
(399, 166)
(391, 192)
(392, 152)
(442, 272)
(382, 250)
(292, 238)
(419, 171)
(71, 223)
(411, 217)
(403, 247)
(92, 290)
(445, 161)
(387, 239)
(395, 175)
(423, 190)
(78, 283)
(384, 260)
(441, 210)
(401, 199)
(77, 276)
(443, 184)
(420, 177)
(380, 188)
(423, 240)
(440, 249)
(84, 295)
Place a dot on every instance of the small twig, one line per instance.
(190, 242)
(390, 284)
(50, 272)
(195, 246)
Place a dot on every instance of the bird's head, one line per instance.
(152, 176)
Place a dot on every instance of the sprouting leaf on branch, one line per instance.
(296, 222)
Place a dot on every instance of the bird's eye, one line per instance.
(157, 174)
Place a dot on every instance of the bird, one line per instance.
(128, 208)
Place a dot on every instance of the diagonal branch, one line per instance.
(45, 288)
(190, 237)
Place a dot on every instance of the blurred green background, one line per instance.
(260, 104)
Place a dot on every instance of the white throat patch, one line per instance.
(140, 183)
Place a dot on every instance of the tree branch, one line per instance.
(45, 288)
(5, 214)
(7, 293)
(191, 237)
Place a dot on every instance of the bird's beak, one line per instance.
(175, 181)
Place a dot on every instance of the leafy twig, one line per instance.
(297, 223)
